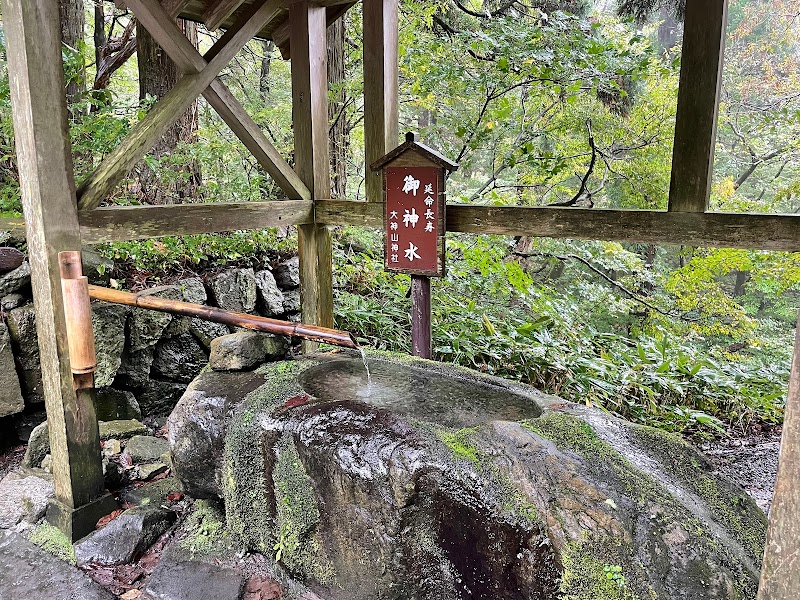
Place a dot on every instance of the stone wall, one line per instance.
(145, 356)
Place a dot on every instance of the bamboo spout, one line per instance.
(218, 315)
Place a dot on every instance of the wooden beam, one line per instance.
(167, 110)
(147, 222)
(723, 230)
(780, 571)
(163, 29)
(48, 199)
(217, 12)
(310, 119)
(381, 75)
(698, 104)
(335, 11)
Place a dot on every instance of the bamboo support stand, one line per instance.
(78, 314)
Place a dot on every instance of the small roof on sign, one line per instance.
(412, 143)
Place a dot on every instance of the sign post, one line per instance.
(414, 178)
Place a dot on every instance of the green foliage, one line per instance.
(150, 260)
(579, 340)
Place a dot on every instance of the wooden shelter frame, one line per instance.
(59, 218)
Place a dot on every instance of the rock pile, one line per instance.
(145, 359)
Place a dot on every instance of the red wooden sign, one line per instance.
(414, 220)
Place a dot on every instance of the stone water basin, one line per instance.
(434, 482)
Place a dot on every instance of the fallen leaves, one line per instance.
(262, 588)
(108, 518)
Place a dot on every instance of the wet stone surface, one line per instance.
(27, 572)
(417, 393)
(436, 483)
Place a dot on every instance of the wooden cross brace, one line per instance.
(200, 78)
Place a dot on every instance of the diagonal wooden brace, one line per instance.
(166, 111)
(157, 21)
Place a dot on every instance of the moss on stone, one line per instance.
(297, 516)
(460, 444)
(52, 540)
(207, 533)
(737, 513)
(570, 432)
(592, 572)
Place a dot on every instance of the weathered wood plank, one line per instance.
(780, 572)
(145, 133)
(146, 222)
(698, 104)
(310, 117)
(178, 47)
(44, 157)
(335, 11)
(381, 77)
(217, 12)
(724, 230)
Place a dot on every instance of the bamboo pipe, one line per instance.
(218, 315)
(78, 317)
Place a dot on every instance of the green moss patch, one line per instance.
(207, 533)
(592, 571)
(52, 540)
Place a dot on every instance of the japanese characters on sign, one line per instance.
(414, 220)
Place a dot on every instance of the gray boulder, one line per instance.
(270, 297)
(12, 301)
(125, 538)
(30, 572)
(287, 274)
(291, 301)
(38, 446)
(206, 331)
(113, 405)
(15, 280)
(177, 580)
(193, 290)
(179, 359)
(438, 483)
(147, 326)
(108, 325)
(246, 350)
(154, 493)
(197, 429)
(10, 393)
(158, 398)
(23, 498)
(234, 290)
(22, 327)
(146, 449)
(96, 267)
(134, 370)
(121, 429)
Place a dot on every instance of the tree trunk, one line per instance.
(178, 183)
(267, 47)
(72, 23)
(339, 135)
(742, 277)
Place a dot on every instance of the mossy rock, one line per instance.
(437, 482)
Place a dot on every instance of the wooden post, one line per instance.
(421, 344)
(780, 572)
(380, 88)
(698, 104)
(312, 161)
(51, 220)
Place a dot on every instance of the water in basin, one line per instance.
(417, 392)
